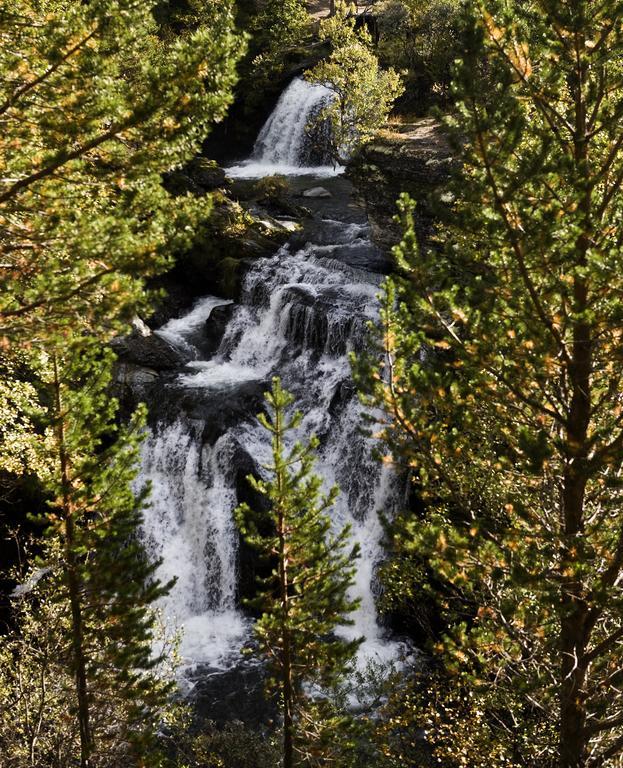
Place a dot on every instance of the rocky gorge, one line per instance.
(289, 289)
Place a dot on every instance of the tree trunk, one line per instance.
(86, 745)
(573, 641)
(574, 631)
(574, 634)
(287, 690)
(73, 582)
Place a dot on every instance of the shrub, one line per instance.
(421, 37)
(364, 93)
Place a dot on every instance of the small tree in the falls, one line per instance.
(97, 606)
(503, 379)
(305, 599)
(363, 92)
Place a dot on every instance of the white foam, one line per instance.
(215, 375)
(178, 329)
(251, 169)
(213, 638)
(189, 526)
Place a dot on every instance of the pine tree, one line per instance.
(95, 105)
(104, 584)
(305, 599)
(503, 374)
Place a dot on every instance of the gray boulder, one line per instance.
(317, 192)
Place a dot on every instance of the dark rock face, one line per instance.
(250, 567)
(133, 384)
(271, 196)
(198, 177)
(213, 331)
(175, 299)
(312, 324)
(207, 174)
(414, 158)
(234, 694)
(217, 409)
(149, 351)
(231, 239)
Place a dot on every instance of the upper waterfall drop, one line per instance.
(283, 144)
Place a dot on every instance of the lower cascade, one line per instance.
(301, 312)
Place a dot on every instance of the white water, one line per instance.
(177, 330)
(301, 313)
(281, 144)
(189, 526)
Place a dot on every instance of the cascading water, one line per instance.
(190, 528)
(283, 145)
(300, 314)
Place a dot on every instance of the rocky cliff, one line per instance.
(405, 157)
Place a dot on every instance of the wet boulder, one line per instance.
(133, 384)
(149, 350)
(214, 329)
(206, 174)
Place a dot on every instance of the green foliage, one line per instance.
(279, 27)
(421, 38)
(177, 17)
(36, 685)
(502, 376)
(21, 414)
(103, 586)
(94, 107)
(364, 93)
(38, 726)
(280, 24)
(431, 720)
(305, 598)
(232, 746)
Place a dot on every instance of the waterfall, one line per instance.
(283, 145)
(300, 313)
(189, 528)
